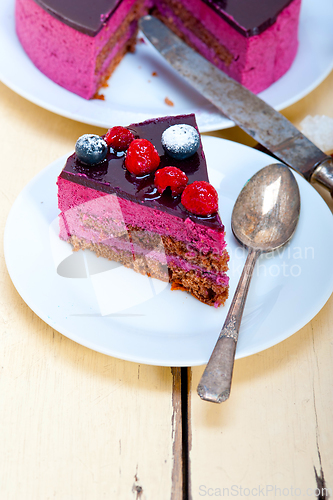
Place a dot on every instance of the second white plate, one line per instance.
(134, 94)
(113, 310)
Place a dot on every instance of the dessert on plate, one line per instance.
(79, 43)
(140, 195)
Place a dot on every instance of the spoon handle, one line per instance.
(215, 382)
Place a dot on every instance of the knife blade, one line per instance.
(262, 122)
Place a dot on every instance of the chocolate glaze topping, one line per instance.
(87, 16)
(111, 176)
(249, 17)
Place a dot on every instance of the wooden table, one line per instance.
(79, 425)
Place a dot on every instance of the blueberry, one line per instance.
(180, 141)
(91, 149)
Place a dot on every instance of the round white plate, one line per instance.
(121, 313)
(134, 94)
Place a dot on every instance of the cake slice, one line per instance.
(141, 196)
(79, 43)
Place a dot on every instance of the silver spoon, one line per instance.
(264, 218)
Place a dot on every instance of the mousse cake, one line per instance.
(141, 196)
(78, 43)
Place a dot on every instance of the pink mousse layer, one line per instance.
(77, 203)
(259, 60)
(65, 55)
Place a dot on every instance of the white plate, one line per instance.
(132, 317)
(135, 95)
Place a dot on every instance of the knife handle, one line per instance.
(323, 174)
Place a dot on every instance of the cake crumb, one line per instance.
(154, 73)
(168, 102)
(319, 129)
(101, 97)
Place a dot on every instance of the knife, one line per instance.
(262, 122)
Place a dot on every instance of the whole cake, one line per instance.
(141, 196)
(78, 43)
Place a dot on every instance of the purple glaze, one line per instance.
(111, 176)
(86, 16)
(249, 17)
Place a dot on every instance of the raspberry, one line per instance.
(171, 177)
(200, 198)
(119, 138)
(141, 158)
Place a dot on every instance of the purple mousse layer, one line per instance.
(255, 61)
(111, 214)
(65, 55)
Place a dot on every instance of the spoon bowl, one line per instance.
(266, 211)
(264, 218)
